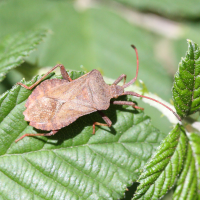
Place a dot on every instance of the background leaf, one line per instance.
(188, 185)
(160, 173)
(73, 163)
(186, 89)
(14, 49)
(179, 9)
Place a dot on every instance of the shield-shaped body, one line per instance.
(57, 103)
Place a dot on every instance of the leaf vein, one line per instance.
(19, 183)
(82, 172)
(45, 174)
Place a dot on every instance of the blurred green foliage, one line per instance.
(98, 35)
(178, 9)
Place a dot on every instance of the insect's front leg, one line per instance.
(37, 134)
(128, 103)
(105, 118)
(64, 73)
(123, 76)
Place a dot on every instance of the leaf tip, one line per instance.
(188, 40)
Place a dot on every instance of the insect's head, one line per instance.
(116, 90)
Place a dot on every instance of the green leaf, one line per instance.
(186, 89)
(72, 164)
(161, 171)
(14, 48)
(188, 184)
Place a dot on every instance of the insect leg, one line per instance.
(105, 118)
(128, 103)
(123, 76)
(37, 134)
(64, 73)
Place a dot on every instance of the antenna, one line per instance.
(138, 95)
(135, 78)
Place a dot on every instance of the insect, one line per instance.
(56, 103)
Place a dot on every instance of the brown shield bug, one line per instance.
(56, 103)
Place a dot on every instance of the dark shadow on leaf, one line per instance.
(131, 191)
(77, 127)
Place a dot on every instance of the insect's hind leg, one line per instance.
(128, 103)
(64, 73)
(105, 118)
(36, 134)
